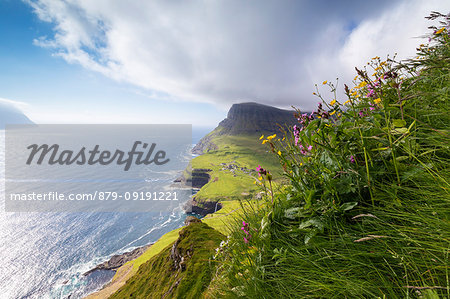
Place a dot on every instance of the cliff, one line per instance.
(247, 119)
(181, 270)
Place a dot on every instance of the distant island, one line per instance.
(10, 115)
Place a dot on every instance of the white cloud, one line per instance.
(231, 51)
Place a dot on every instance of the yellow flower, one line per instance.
(377, 101)
(374, 74)
(279, 153)
(354, 79)
(346, 102)
(383, 63)
(260, 178)
(358, 95)
(332, 113)
(324, 82)
(333, 102)
(262, 136)
(440, 30)
(362, 84)
(265, 141)
(271, 137)
(339, 114)
(283, 138)
(354, 93)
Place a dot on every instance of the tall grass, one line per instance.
(366, 213)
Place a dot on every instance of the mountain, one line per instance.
(11, 115)
(247, 119)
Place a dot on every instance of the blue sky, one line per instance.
(188, 62)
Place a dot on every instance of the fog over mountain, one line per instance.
(11, 115)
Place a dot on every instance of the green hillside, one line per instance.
(181, 270)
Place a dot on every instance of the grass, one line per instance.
(158, 277)
(366, 213)
(242, 150)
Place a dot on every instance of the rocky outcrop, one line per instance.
(118, 260)
(248, 118)
(195, 178)
(182, 270)
(202, 208)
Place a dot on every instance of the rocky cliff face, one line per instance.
(248, 118)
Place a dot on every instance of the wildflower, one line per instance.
(310, 148)
(354, 93)
(245, 228)
(440, 31)
(271, 137)
(262, 136)
(324, 82)
(346, 102)
(352, 159)
(279, 153)
(261, 171)
(377, 101)
(333, 102)
(362, 84)
(332, 113)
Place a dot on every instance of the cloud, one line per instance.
(231, 51)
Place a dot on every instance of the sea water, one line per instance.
(44, 255)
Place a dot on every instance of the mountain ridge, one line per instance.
(248, 118)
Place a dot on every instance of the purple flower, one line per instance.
(352, 159)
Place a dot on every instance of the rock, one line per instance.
(247, 118)
(191, 219)
(202, 208)
(118, 260)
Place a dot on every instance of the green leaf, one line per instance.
(348, 206)
(399, 123)
(315, 222)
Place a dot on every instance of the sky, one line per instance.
(115, 61)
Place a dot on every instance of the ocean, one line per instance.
(44, 254)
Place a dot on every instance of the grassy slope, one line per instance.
(245, 151)
(242, 150)
(157, 278)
